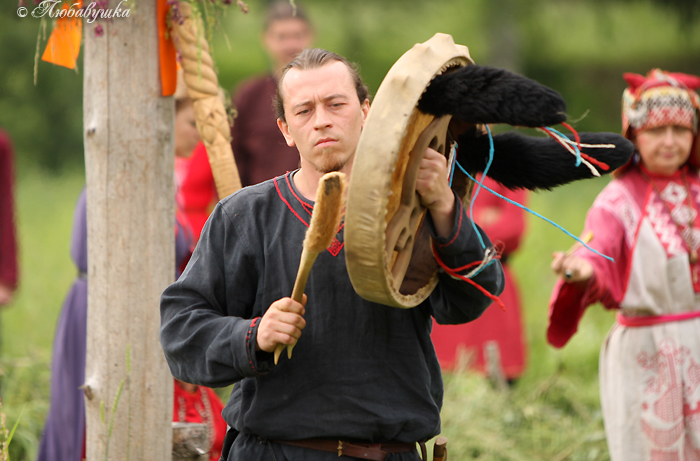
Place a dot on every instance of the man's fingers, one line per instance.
(432, 154)
(288, 333)
(282, 324)
(289, 305)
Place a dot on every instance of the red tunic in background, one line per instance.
(260, 151)
(505, 228)
(201, 406)
(8, 238)
(196, 190)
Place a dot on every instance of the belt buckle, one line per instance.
(340, 448)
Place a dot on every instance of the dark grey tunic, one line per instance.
(360, 371)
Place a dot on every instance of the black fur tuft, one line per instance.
(526, 162)
(481, 94)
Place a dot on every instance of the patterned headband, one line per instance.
(661, 98)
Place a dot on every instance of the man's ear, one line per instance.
(365, 110)
(284, 128)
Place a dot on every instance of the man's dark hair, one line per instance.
(283, 9)
(313, 58)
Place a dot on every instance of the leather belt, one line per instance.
(372, 451)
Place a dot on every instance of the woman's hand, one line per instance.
(571, 268)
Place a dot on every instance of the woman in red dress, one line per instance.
(461, 345)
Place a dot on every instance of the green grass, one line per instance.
(552, 413)
(44, 214)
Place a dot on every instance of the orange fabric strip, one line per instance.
(63, 46)
(168, 64)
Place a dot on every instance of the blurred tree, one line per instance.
(688, 10)
(45, 120)
(579, 47)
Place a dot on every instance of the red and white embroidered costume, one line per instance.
(649, 375)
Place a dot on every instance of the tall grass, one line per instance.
(44, 214)
(552, 412)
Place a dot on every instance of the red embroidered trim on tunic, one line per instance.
(336, 245)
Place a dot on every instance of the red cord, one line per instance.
(453, 272)
(603, 166)
(576, 136)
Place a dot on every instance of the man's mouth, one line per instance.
(325, 142)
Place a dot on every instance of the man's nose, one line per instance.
(322, 120)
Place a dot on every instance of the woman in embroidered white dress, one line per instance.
(648, 220)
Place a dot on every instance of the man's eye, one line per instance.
(302, 112)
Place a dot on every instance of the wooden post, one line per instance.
(129, 155)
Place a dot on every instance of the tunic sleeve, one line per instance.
(8, 242)
(457, 301)
(570, 300)
(208, 340)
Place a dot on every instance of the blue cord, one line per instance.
(479, 185)
(575, 146)
(536, 214)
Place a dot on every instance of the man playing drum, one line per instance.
(364, 381)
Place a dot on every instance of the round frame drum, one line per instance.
(387, 244)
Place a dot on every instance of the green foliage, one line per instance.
(45, 205)
(45, 121)
(580, 48)
(25, 387)
(543, 421)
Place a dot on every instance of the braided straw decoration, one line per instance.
(203, 88)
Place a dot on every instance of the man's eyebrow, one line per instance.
(335, 96)
(301, 104)
(325, 99)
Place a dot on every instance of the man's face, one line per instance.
(324, 116)
(284, 39)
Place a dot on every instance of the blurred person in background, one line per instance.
(8, 231)
(466, 345)
(63, 438)
(260, 151)
(258, 145)
(647, 220)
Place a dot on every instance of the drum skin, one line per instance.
(387, 248)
